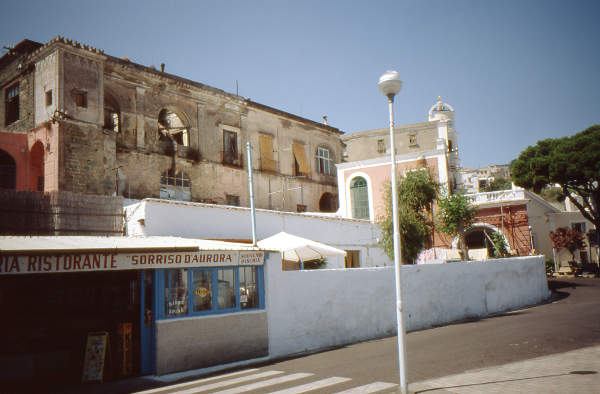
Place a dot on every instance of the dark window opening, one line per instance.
(48, 98)
(230, 199)
(328, 203)
(12, 104)
(300, 208)
(81, 99)
(230, 148)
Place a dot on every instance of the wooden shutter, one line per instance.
(265, 143)
(300, 156)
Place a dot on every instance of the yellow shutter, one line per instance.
(265, 143)
(301, 158)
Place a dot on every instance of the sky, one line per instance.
(515, 71)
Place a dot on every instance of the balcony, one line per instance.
(497, 196)
(233, 159)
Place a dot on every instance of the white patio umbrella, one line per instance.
(294, 248)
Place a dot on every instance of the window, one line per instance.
(301, 166)
(172, 128)
(300, 208)
(12, 104)
(233, 200)
(176, 292)
(579, 226)
(380, 146)
(201, 291)
(226, 290)
(230, 148)
(81, 99)
(249, 287)
(111, 120)
(324, 161)
(352, 259)
(359, 197)
(412, 140)
(267, 163)
(328, 203)
(48, 98)
(175, 186)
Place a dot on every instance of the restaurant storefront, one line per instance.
(161, 304)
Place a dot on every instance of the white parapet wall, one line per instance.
(155, 217)
(315, 309)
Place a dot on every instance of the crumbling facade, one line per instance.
(102, 125)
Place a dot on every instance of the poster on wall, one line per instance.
(95, 352)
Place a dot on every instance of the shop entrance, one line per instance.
(48, 318)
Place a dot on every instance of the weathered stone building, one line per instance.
(98, 124)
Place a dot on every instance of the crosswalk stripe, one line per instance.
(196, 382)
(229, 382)
(265, 383)
(369, 388)
(313, 385)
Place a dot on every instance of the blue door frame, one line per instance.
(147, 321)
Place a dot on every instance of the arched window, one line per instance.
(328, 203)
(359, 196)
(175, 186)
(8, 171)
(171, 127)
(324, 161)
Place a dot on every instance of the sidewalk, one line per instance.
(577, 371)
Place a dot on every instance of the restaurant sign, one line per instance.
(84, 262)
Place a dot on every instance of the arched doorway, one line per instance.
(36, 167)
(8, 171)
(328, 203)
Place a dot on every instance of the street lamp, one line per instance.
(390, 84)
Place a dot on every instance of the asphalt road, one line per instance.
(570, 321)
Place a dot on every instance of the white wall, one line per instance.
(196, 220)
(315, 309)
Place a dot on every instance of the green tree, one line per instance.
(416, 193)
(455, 217)
(499, 183)
(570, 163)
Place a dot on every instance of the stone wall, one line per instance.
(59, 213)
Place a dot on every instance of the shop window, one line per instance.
(226, 290)
(359, 196)
(352, 259)
(11, 100)
(202, 291)
(267, 163)
(249, 287)
(301, 166)
(172, 128)
(202, 282)
(175, 186)
(49, 98)
(230, 148)
(176, 292)
(324, 161)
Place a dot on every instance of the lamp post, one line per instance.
(390, 84)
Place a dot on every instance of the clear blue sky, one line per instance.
(514, 71)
